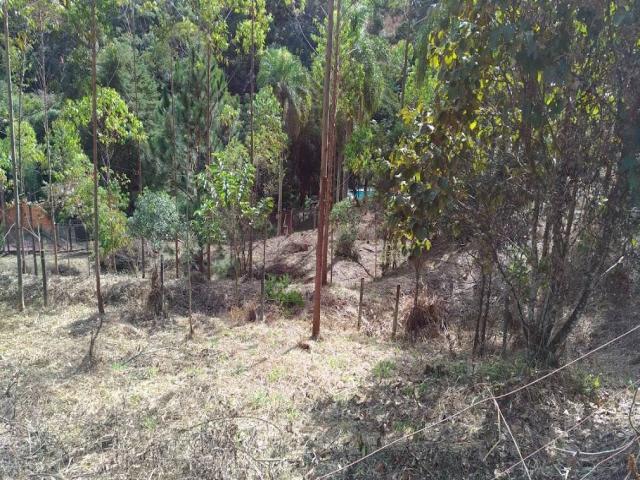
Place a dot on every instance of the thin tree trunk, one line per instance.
(137, 112)
(331, 147)
(416, 293)
(315, 332)
(16, 178)
(483, 333)
(94, 121)
(189, 283)
(5, 227)
(173, 160)
(208, 142)
(476, 336)
(251, 95)
(264, 272)
(280, 182)
(405, 65)
(52, 203)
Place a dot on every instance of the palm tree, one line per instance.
(284, 72)
(289, 79)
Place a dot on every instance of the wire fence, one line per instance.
(71, 236)
(494, 398)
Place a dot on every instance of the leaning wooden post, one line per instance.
(291, 221)
(375, 246)
(33, 250)
(88, 256)
(264, 273)
(360, 303)
(331, 260)
(164, 314)
(44, 272)
(394, 329)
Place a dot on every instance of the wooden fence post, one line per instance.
(360, 303)
(45, 294)
(33, 250)
(331, 260)
(164, 312)
(44, 278)
(70, 240)
(291, 221)
(395, 313)
(375, 245)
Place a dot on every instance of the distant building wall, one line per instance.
(32, 214)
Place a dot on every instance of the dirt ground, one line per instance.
(260, 400)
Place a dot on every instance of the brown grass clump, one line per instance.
(426, 319)
(243, 314)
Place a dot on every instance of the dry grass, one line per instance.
(258, 400)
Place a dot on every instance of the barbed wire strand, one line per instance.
(620, 450)
(547, 445)
(478, 402)
(513, 439)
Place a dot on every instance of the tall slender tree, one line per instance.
(45, 11)
(16, 174)
(94, 124)
(317, 295)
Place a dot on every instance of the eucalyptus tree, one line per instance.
(88, 19)
(315, 329)
(46, 16)
(16, 178)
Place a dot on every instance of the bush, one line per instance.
(292, 300)
(346, 244)
(344, 217)
(223, 267)
(277, 290)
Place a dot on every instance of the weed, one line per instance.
(403, 426)
(118, 367)
(588, 384)
(384, 369)
(275, 374)
(337, 363)
(259, 399)
(277, 290)
(150, 422)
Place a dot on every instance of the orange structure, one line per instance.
(33, 215)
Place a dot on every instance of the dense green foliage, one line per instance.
(508, 126)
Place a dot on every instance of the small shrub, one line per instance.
(275, 285)
(384, 369)
(344, 217)
(223, 267)
(588, 384)
(426, 319)
(277, 290)
(346, 244)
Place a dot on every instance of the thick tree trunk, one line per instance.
(16, 178)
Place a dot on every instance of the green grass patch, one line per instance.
(384, 369)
